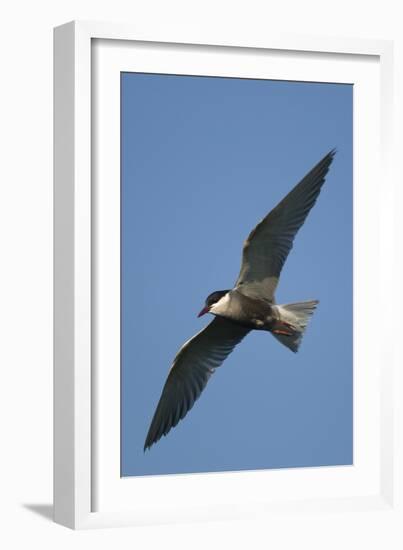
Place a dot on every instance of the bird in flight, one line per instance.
(250, 305)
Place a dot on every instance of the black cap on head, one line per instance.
(215, 296)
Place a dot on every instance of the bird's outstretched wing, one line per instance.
(268, 245)
(192, 367)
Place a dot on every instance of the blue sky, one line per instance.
(203, 160)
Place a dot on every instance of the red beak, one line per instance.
(203, 311)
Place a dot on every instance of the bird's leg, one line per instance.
(284, 328)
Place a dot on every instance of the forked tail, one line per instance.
(292, 322)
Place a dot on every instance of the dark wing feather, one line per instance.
(267, 247)
(192, 367)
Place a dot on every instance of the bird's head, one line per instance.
(212, 299)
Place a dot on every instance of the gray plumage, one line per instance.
(250, 305)
(192, 367)
(268, 245)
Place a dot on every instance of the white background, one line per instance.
(26, 266)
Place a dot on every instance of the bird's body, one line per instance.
(249, 312)
(250, 305)
(256, 314)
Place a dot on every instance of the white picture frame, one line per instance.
(88, 491)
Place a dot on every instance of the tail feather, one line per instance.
(295, 317)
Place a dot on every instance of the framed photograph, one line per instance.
(210, 191)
